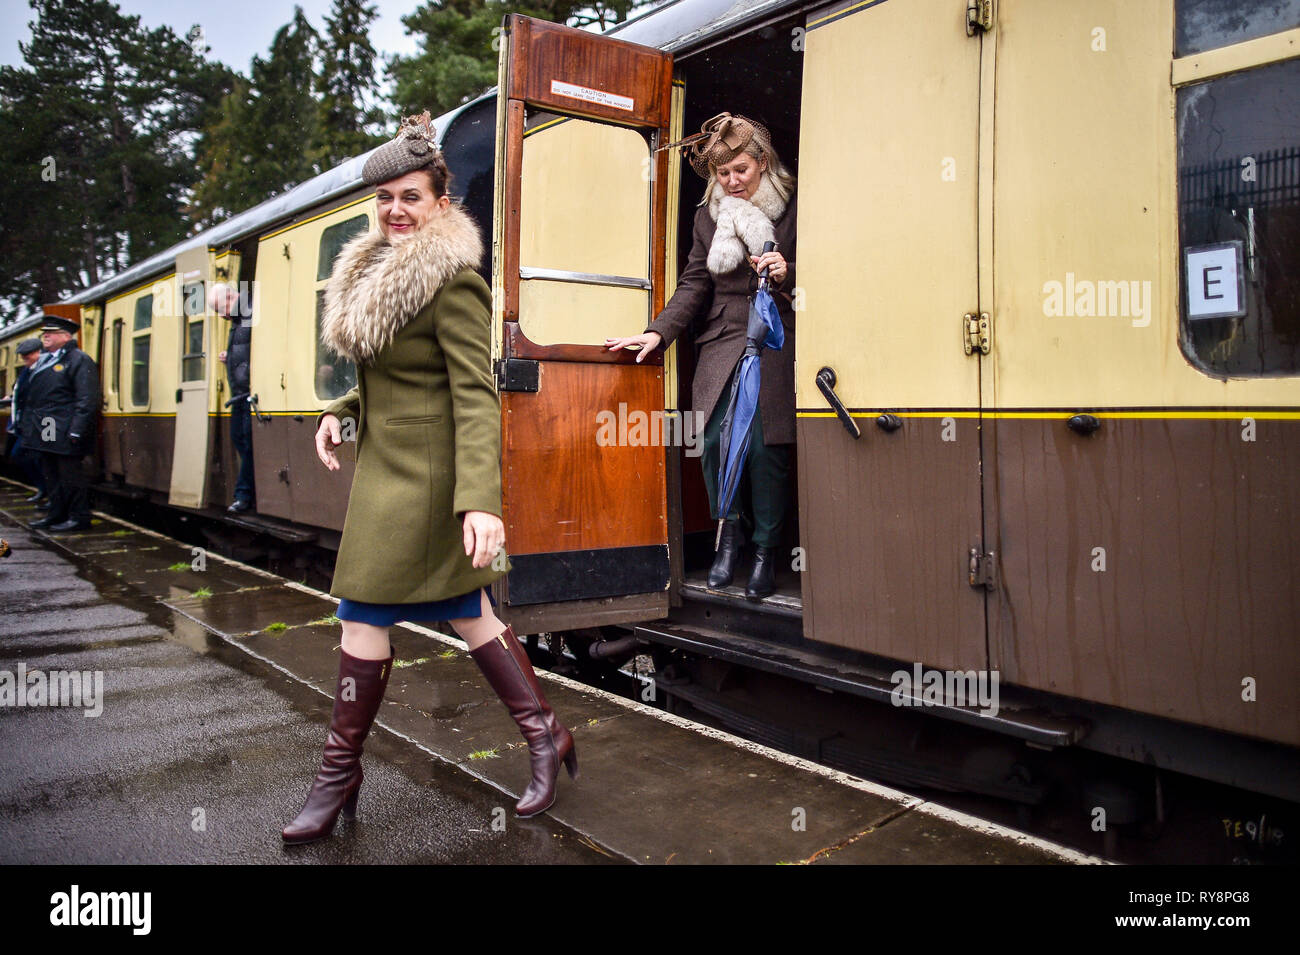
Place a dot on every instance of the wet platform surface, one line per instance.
(217, 687)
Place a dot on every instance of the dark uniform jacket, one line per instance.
(16, 409)
(239, 350)
(722, 301)
(68, 392)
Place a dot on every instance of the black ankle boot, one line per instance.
(724, 564)
(762, 582)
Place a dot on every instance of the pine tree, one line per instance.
(102, 119)
(283, 117)
(459, 44)
(350, 123)
(265, 137)
(227, 158)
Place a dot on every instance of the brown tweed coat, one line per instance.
(723, 302)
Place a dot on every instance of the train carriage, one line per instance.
(1046, 369)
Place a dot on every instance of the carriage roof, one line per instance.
(675, 27)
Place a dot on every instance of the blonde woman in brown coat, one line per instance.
(423, 528)
(749, 200)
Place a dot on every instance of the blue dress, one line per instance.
(385, 615)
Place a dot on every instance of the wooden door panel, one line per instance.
(579, 226)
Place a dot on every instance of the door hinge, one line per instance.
(979, 16)
(518, 374)
(982, 570)
(977, 332)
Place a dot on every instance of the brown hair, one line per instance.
(439, 175)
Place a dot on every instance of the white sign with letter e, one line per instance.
(1214, 281)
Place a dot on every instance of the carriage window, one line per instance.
(332, 241)
(335, 376)
(192, 360)
(117, 357)
(603, 180)
(141, 326)
(1239, 221)
(1209, 24)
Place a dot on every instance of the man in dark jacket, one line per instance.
(29, 349)
(60, 407)
(225, 301)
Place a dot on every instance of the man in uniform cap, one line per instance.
(60, 404)
(29, 349)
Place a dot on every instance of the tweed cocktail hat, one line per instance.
(720, 140)
(414, 147)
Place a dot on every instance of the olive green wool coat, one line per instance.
(416, 319)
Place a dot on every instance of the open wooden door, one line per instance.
(190, 450)
(578, 257)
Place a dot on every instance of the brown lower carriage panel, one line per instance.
(139, 447)
(886, 523)
(292, 484)
(1154, 565)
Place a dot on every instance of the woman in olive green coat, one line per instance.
(423, 535)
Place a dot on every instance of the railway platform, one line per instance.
(653, 788)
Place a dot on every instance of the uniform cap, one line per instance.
(53, 323)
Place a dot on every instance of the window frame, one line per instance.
(189, 320)
(318, 289)
(145, 333)
(1206, 67)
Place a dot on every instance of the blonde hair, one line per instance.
(782, 178)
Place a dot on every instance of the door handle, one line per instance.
(826, 385)
(257, 412)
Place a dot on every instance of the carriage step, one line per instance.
(874, 681)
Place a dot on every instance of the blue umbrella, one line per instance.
(764, 330)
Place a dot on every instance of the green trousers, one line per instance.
(761, 497)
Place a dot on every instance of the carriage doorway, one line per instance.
(758, 74)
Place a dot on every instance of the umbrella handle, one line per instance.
(762, 276)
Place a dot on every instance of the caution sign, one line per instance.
(586, 94)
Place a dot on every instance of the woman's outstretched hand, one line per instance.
(646, 341)
(485, 535)
(328, 437)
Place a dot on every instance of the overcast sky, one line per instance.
(236, 30)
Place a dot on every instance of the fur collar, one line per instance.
(378, 286)
(743, 225)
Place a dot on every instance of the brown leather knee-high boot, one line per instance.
(339, 779)
(507, 668)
